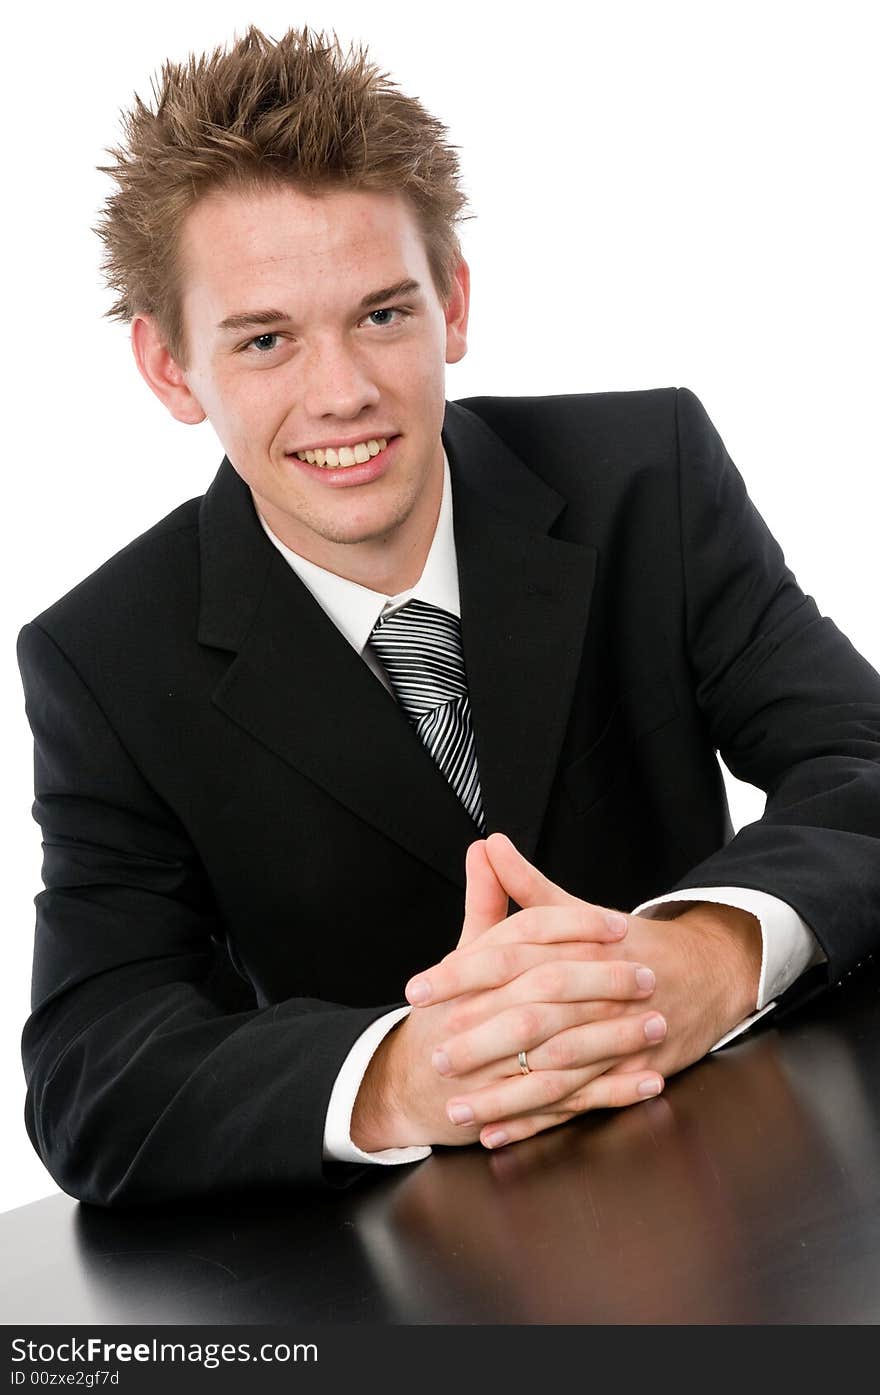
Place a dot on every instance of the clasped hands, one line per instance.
(605, 1005)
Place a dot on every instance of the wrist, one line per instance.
(734, 942)
(377, 1118)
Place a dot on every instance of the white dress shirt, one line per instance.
(788, 945)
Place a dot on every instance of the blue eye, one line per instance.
(390, 310)
(261, 344)
(265, 344)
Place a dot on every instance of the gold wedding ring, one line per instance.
(524, 1063)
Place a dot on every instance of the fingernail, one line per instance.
(645, 979)
(440, 1062)
(495, 1139)
(655, 1029)
(650, 1087)
(419, 992)
(460, 1113)
(616, 922)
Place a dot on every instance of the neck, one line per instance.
(381, 566)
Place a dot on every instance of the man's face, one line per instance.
(302, 362)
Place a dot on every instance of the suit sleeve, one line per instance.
(152, 1073)
(790, 704)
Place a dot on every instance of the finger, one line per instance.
(485, 901)
(544, 924)
(523, 882)
(490, 962)
(615, 1042)
(497, 1041)
(539, 1092)
(581, 979)
(565, 1034)
(605, 1092)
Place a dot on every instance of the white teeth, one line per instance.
(331, 459)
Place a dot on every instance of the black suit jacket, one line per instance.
(248, 851)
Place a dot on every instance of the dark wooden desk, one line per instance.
(748, 1193)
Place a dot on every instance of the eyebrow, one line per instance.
(251, 319)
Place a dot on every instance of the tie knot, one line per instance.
(420, 648)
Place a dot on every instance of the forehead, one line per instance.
(284, 241)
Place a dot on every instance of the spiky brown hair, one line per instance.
(262, 113)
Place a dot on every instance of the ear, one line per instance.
(162, 374)
(456, 312)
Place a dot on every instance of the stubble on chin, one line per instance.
(379, 531)
(354, 534)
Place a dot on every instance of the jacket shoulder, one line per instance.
(617, 421)
(151, 563)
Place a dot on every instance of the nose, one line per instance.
(338, 382)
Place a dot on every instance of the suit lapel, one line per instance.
(299, 688)
(525, 601)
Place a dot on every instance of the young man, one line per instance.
(301, 745)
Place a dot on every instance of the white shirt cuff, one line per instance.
(338, 1146)
(789, 946)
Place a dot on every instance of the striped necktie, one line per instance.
(420, 648)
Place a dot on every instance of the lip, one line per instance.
(348, 475)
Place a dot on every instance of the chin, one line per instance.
(353, 536)
(364, 529)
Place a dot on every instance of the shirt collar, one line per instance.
(354, 609)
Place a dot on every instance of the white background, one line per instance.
(666, 193)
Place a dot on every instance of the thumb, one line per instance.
(528, 887)
(520, 880)
(485, 900)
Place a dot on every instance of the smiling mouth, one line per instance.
(344, 457)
